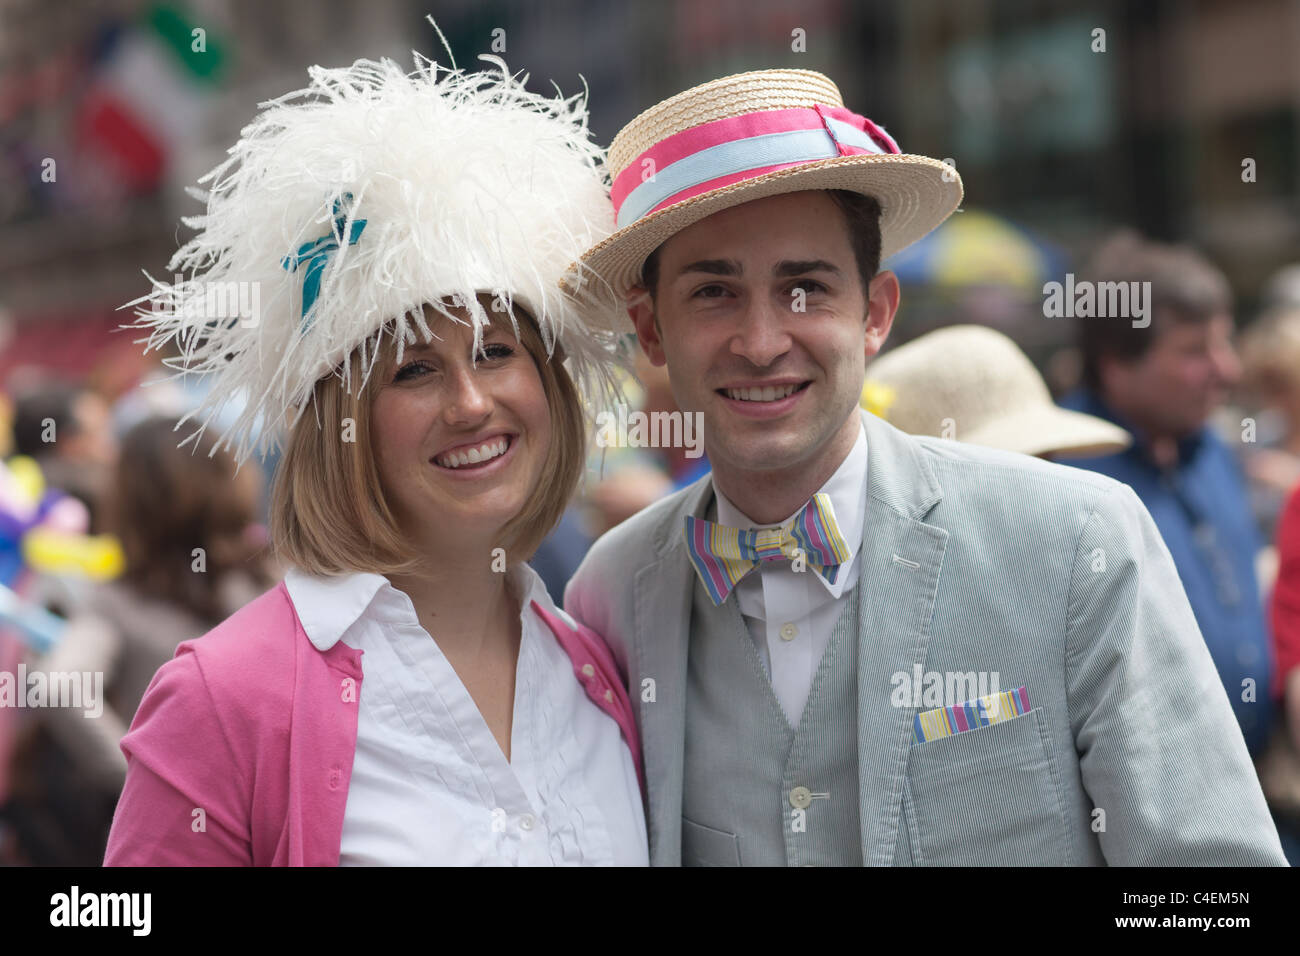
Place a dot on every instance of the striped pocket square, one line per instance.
(980, 712)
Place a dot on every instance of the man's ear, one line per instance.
(882, 305)
(641, 309)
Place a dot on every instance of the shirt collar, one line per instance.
(328, 606)
(1090, 401)
(847, 489)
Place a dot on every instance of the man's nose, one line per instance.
(763, 335)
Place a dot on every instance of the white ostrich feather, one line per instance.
(467, 183)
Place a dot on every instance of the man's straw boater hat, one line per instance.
(745, 137)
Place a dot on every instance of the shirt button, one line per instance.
(789, 632)
(609, 696)
(588, 670)
(526, 821)
(800, 798)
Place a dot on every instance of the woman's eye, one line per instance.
(496, 350)
(412, 370)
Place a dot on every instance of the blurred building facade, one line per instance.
(1149, 128)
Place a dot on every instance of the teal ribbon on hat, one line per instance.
(316, 254)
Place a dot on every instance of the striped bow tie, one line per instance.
(722, 556)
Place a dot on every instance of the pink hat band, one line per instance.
(731, 150)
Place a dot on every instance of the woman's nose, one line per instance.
(467, 400)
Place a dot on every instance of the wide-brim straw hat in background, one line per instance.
(746, 137)
(974, 384)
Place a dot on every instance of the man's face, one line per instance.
(1185, 375)
(762, 320)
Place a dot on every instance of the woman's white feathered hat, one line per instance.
(355, 202)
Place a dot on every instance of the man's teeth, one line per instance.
(473, 456)
(768, 393)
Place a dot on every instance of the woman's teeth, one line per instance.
(768, 393)
(474, 456)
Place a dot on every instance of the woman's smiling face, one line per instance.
(460, 445)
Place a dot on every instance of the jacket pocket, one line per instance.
(986, 797)
(705, 846)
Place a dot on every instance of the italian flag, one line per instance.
(151, 94)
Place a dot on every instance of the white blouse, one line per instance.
(430, 786)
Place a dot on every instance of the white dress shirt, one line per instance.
(430, 785)
(791, 614)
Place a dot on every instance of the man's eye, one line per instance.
(412, 370)
(710, 292)
(808, 285)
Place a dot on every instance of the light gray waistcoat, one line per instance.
(743, 759)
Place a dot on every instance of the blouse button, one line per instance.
(609, 697)
(588, 671)
(526, 821)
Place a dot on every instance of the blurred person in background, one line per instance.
(67, 430)
(1279, 770)
(973, 384)
(1270, 351)
(1162, 382)
(195, 553)
(625, 480)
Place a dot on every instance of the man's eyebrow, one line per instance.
(793, 267)
(717, 267)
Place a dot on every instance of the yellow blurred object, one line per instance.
(98, 557)
(6, 427)
(980, 248)
(877, 397)
(27, 475)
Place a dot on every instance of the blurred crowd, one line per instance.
(117, 543)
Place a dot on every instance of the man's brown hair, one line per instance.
(1185, 287)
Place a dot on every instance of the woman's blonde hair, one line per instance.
(329, 514)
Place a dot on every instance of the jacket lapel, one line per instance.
(661, 622)
(901, 558)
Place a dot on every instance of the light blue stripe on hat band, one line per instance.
(737, 156)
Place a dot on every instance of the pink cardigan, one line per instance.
(241, 751)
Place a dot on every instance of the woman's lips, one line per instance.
(478, 469)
